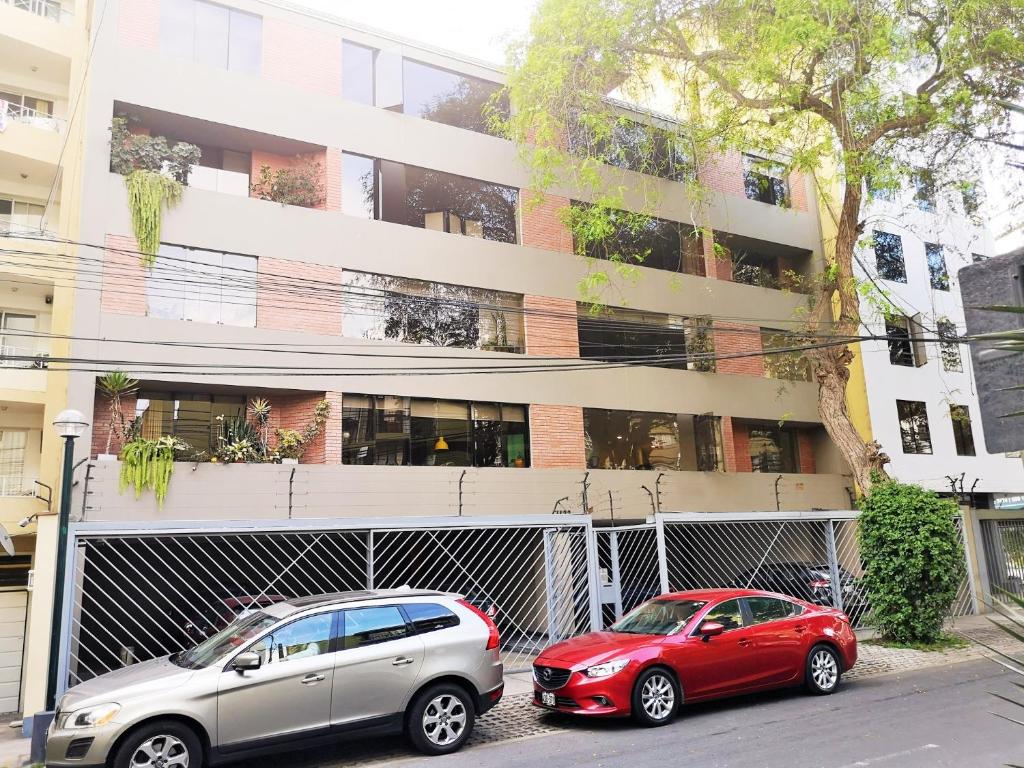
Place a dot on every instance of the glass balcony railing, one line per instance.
(48, 9)
(33, 117)
(219, 180)
(22, 357)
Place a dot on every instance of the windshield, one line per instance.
(237, 633)
(658, 617)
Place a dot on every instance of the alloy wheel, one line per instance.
(163, 751)
(444, 719)
(658, 696)
(824, 669)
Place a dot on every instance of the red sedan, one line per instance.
(693, 646)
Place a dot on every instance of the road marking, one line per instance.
(884, 758)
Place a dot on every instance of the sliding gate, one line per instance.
(144, 592)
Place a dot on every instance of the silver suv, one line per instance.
(292, 674)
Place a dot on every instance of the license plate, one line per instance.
(547, 699)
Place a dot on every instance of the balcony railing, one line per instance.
(33, 117)
(22, 357)
(48, 9)
(13, 485)
(218, 180)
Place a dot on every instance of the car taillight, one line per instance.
(492, 628)
(820, 584)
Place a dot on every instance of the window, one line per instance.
(632, 146)
(728, 614)
(301, 639)
(949, 351)
(765, 181)
(783, 365)
(924, 190)
(20, 216)
(639, 239)
(18, 340)
(758, 269)
(936, 267)
(28, 108)
(879, 191)
(621, 334)
(418, 197)
(889, 257)
(764, 609)
(963, 436)
(913, 418)
(13, 445)
(194, 417)
(644, 440)
(428, 617)
(970, 198)
(436, 314)
(905, 336)
(773, 449)
(202, 286)
(369, 626)
(212, 34)
(380, 429)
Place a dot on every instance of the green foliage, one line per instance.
(148, 193)
(149, 464)
(913, 560)
(115, 385)
(292, 444)
(239, 440)
(301, 185)
(135, 151)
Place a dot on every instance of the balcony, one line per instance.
(33, 117)
(24, 340)
(219, 180)
(51, 10)
(21, 433)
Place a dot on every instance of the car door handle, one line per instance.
(745, 643)
(310, 679)
(402, 661)
(800, 628)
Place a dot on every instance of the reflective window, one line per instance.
(897, 331)
(658, 617)
(765, 180)
(644, 440)
(13, 446)
(194, 417)
(963, 435)
(949, 351)
(924, 190)
(728, 614)
(212, 34)
(20, 216)
(301, 639)
(436, 314)
(764, 609)
(357, 73)
(369, 626)
(889, 256)
(449, 97)
(773, 449)
(937, 274)
(617, 335)
(914, 432)
(380, 429)
(632, 146)
(758, 269)
(789, 365)
(428, 617)
(202, 286)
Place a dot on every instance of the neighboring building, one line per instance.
(425, 241)
(42, 53)
(921, 394)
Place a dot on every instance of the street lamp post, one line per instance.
(70, 425)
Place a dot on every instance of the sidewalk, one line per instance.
(14, 750)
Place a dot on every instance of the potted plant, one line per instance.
(113, 386)
(290, 445)
(260, 409)
(149, 464)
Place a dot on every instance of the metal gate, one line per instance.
(1003, 544)
(629, 568)
(142, 592)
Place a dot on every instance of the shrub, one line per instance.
(300, 185)
(913, 560)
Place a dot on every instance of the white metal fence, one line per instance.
(1003, 548)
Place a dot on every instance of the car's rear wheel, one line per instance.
(823, 670)
(441, 719)
(656, 698)
(161, 744)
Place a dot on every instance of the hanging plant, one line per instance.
(148, 193)
(149, 464)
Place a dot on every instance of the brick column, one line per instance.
(304, 58)
(551, 327)
(805, 447)
(332, 430)
(285, 303)
(728, 444)
(332, 182)
(556, 437)
(138, 23)
(734, 338)
(798, 191)
(716, 265)
(101, 422)
(741, 445)
(124, 277)
(542, 223)
(723, 173)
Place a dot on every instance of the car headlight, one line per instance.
(90, 717)
(607, 669)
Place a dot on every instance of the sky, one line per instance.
(477, 28)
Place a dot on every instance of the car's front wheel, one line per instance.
(441, 719)
(161, 744)
(656, 698)
(823, 670)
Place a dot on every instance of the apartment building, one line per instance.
(921, 394)
(42, 56)
(352, 234)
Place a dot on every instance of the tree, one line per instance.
(881, 91)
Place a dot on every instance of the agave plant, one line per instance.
(115, 385)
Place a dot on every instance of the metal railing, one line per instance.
(34, 117)
(13, 485)
(1003, 545)
(22, 357)
(48, 9)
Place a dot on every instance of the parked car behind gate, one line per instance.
(292, 674)
(693, 646)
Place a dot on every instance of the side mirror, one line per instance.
(247, 661)
(710, 629)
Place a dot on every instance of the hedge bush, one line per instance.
(913, 560)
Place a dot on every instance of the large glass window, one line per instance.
(20, 216)
(765, 180)
(889, 256)
(949, 350)
(13, 444)
(357, 72)
(644, 440)
(626, 334)
(632, 146)
(369, 626)
(202, 286)
(212, 34)
(194, 417)
(437, 314)
(419, 197)
(914, 432)
(963, 435)
(773, 449)
(18, 340)
(379, 429)
(936, 267)
(644, 240)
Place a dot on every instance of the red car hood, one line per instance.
(594, 648)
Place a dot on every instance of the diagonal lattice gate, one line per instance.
(138, 594)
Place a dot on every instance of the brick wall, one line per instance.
(805, 443)
(717, 266)
(101, 422)
(138, 23)
(311, 311)
(729, 342)
(542, 222)
(124, 277)
(728, 444)
(303, 58)
(296, 412)
(556, 437)
(741, 445)
(724, 173)
(332, 431)
(550, 326)
(332, 180)
(798, 191)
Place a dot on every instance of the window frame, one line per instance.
(935, 257)
(949, 351)
(763, 180)
(411, 622)
(343, 622)
(332, 645)
(744, 615)
(915, 435)
(883, 265)
(794, 609)
(963, 430)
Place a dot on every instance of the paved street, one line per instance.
(926, 718)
